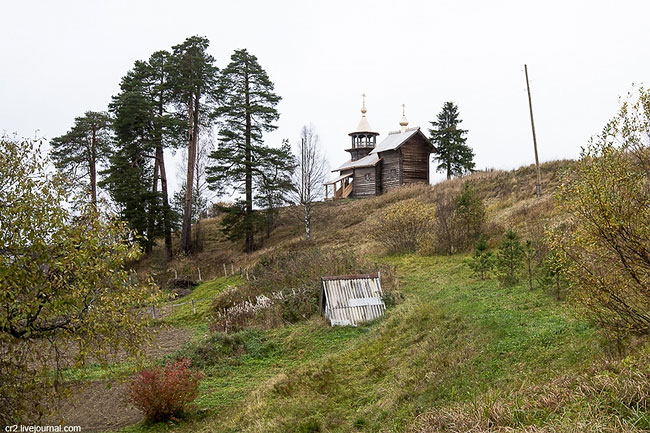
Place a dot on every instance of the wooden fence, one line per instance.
(160, 310)
(228, 270)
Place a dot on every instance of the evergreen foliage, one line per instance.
(470, 212)
(482, 261)
(509, 259)
(193, 80)
(79, 151)
(553, 275)
(453, 155)
(144, 126)
(246, 110)
(274, 184)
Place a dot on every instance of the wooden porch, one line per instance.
(341, 186)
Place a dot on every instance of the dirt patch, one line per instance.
(166, 340)
(97, 406)
(102, 405)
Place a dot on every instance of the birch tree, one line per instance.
(309, 176)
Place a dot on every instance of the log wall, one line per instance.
(390, 171)
(415, 161)
(365, 182)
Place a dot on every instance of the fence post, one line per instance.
(175, 274)
(199, 269)
(225, 271)
(153, 311)
(193, 306)
(232, 269)
(247, 279)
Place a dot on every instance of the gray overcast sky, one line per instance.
(61, 58)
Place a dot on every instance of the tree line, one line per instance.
(166, 103)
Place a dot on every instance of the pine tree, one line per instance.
(482, 261)
(143, 127)
(274, 183)
(553, 274)
(510, 258)
(247, 110)
(128, 177)
(129, 180)
(193, 82)
(168, 132)
(470, 212)
(78, 152)
(454, 156)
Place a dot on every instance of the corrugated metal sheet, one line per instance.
(366, 161)
(352, 299)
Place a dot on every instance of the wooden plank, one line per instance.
(350, 277)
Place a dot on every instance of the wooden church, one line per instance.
(402, 158)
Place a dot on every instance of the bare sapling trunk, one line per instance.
(308, 221)
(93, 168)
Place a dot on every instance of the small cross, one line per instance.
(364, 99)
(403, 108)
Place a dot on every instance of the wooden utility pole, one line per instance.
(538, 185)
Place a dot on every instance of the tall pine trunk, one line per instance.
(186, 234)
(167, 224)
(151, 217)
(160, 157)
(250, 245)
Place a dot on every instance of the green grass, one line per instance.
(181, 316)
(452, 341)
(203, 295)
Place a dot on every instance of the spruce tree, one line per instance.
(246, 110)
(453, 155)
(78, 152)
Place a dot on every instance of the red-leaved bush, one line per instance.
(164, 392)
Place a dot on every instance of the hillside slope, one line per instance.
(509, 197)
(456, 355)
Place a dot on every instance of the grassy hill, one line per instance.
(455, 355)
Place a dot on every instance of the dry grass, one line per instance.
(345, 224)
(612, 396)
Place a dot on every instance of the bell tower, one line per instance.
(364, 139)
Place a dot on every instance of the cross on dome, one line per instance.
(403, 123)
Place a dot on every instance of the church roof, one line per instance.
(395, 139)
(367, 161)
(364, 126)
